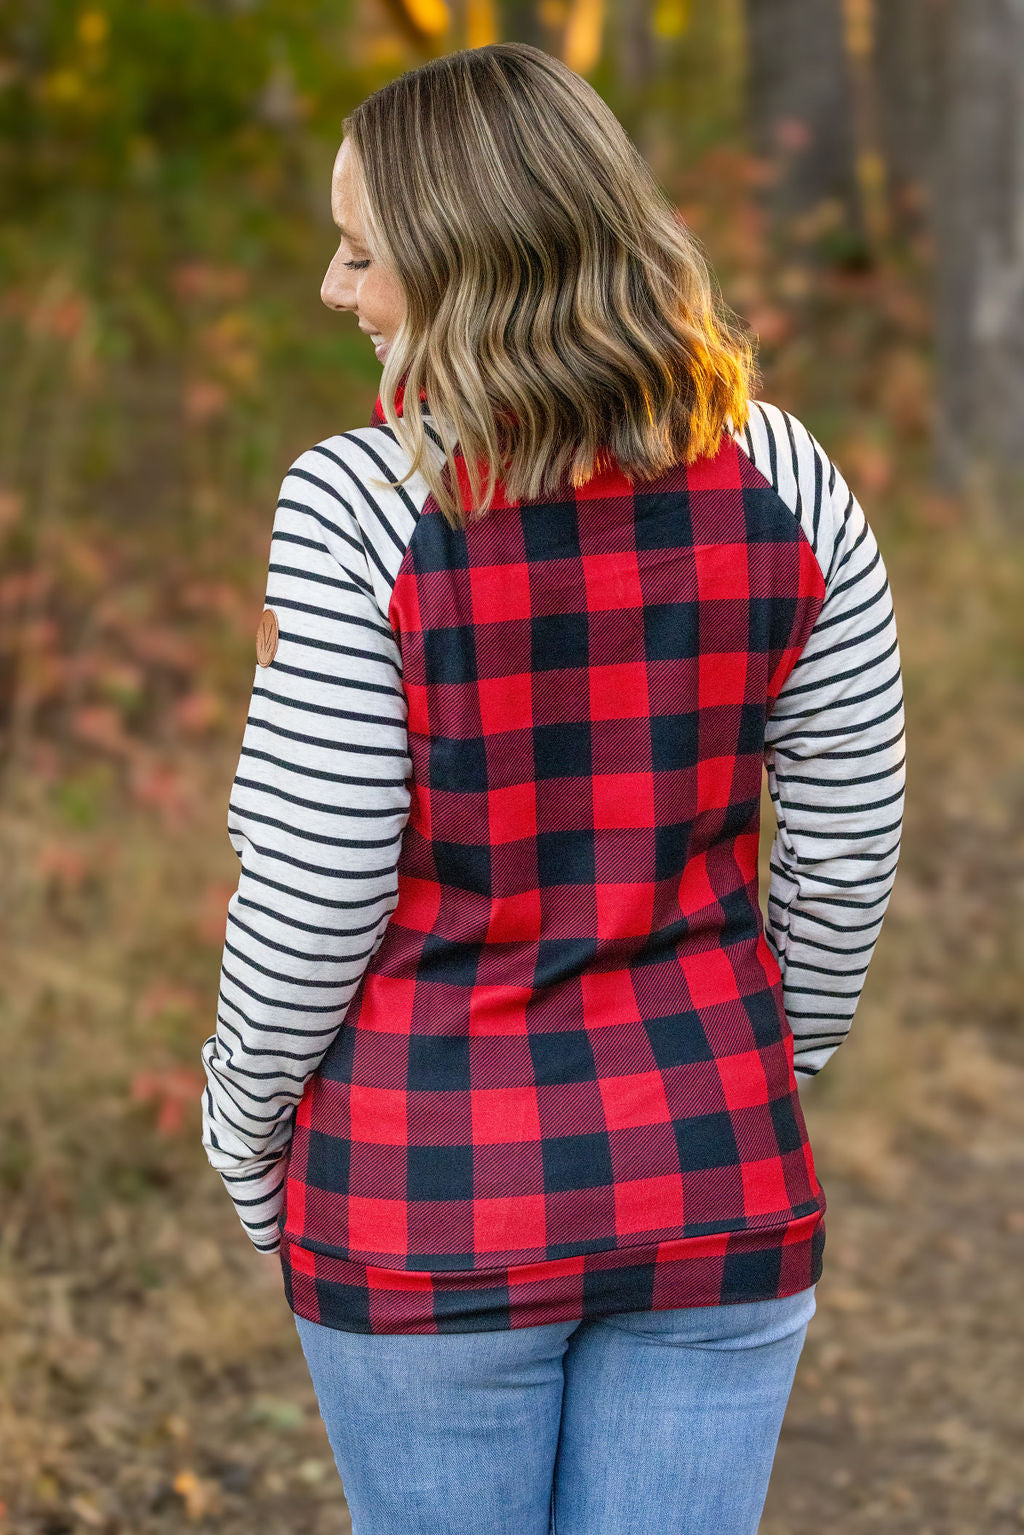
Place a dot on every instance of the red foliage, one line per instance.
(172, 1088)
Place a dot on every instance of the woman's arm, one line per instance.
(316, 814)
(835, 756)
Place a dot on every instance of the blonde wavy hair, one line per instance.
(560, 317)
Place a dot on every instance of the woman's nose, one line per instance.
(334, 292)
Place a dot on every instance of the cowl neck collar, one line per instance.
(378, 409)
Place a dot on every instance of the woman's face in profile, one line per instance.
(354, 280)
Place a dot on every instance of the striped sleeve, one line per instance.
(835, 758)
(316, 814)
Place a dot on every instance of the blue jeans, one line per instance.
(640, 1421)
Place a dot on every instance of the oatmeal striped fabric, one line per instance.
(835, 752)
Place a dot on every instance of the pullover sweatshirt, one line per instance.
(503, 1036)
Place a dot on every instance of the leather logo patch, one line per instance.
(266, 637)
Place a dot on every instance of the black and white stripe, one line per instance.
(316, 811)
(834, 751)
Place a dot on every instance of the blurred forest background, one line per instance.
(856, 175)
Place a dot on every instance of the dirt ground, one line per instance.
(907, 1413)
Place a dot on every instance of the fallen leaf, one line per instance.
(199, 1495)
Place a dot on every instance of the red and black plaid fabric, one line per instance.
(565, 1084)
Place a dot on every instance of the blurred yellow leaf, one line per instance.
(93, 27)
(552, 13)
(481, 23)
(583, 35)
(870, 170)
(429, 15)
(63, 86)
(382, 51)
(857, 26)
(232, 328)
(671, 18)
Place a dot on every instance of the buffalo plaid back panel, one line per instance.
(565, 1082)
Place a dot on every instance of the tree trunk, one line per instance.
(799, 107)
(907, 70)
(635, 51)
(978, 218)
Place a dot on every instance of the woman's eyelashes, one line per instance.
(357, 266)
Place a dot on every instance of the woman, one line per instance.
(507, 1062)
